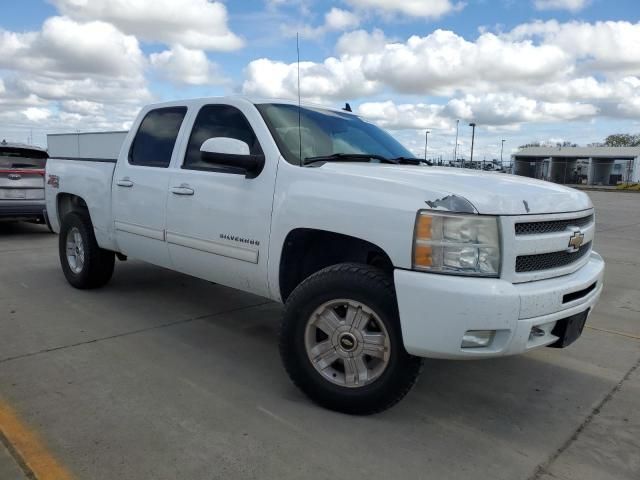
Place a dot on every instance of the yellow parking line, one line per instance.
(28, 446)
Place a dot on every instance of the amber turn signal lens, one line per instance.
(423, 256)
(423, 228)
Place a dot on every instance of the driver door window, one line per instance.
(218, 121)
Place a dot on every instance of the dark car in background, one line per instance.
(22, 182)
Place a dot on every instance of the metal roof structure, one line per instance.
(578, 152)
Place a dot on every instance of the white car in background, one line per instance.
(22, 182)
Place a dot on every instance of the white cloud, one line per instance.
(497, 109)
(609, 46)
(197, 24)
(335, 20)
(571, 5)
(66, 48)
(440, 63)
(488, 110)
(333, 79)
(443, 62)
(589, 89)
(539, 72)
(338, 19)
(359, 42)
(70, 75)
(82, 107)
(416, 8)
(36, 114)
(404, 116)
(185, 66)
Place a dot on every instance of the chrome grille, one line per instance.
(547, 261)
(532, 228)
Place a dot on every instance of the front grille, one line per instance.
(532, 228)
(547, 261)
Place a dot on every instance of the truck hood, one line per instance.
(489, 193)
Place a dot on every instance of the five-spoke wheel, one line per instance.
(75, 250)
(347, 343)
(341, 343)
(84, 263)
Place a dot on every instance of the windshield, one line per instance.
(326, 132)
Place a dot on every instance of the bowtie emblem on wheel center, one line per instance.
(347, 342)
(575, 241)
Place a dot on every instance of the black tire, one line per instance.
(98, 263)
(373, 288)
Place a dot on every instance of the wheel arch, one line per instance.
(306, 251)
(69, 202)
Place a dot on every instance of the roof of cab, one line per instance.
(253, 100)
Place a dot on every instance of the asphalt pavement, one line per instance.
(163, 376)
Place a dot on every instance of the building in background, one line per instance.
(579, 165)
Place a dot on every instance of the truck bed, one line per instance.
(91, 180)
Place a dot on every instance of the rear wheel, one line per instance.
(84, 263)
(341, 342)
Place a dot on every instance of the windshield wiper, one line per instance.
(348, 157)
(411, 161)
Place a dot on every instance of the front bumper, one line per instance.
(437, 310)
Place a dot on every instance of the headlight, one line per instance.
(456, 244)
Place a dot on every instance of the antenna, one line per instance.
(299, 102)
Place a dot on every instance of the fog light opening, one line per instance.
(477, 338)
(536, 332)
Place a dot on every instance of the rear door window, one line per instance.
(156, 137)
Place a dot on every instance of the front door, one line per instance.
(218, 221)
(140, 185)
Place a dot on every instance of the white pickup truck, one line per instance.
(379, 259)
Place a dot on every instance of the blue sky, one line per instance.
(526, 70)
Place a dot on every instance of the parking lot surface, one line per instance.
(159, 375)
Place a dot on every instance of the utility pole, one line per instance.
(426, 143)
(455, 150)
(473, 137)
(501, 150)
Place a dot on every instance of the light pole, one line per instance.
(501, 150)
(473, 137)
(455, 150)
(426, 143)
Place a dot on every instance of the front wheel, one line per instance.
(341, 342)
(84, 263)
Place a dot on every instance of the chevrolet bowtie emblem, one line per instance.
(575, 241)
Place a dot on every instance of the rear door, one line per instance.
(21, 181)
(140, 185)
(218, 221)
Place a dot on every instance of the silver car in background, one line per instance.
(22, 182)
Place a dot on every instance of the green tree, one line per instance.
(527, 145)
(622, 140)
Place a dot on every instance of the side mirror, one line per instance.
(232, 152)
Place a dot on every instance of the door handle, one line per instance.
(183, 189)
(124, 182)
